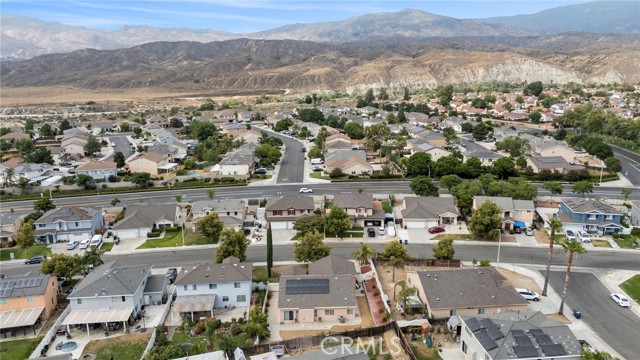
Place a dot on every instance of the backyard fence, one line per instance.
(50, 337)
(163, 317)
(455, 263)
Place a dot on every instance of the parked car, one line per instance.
(316, 168)
(84, 244)
(72, 244)
(584, 237)
(570, 235)
(517, 230)
(436, 229)
(96, 241)
(261, 171)
(35, 260)
(306, 191)
(621, 300)
(528, 294)
(62, 281)
(381, 230)
(528, 232)
(172, 274)
(113, 144)
(371, 232)
(304, 149)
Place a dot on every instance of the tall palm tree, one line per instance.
(364, 253)
(395, 263)
(555, 224)
(227, 344)
(571, 247)
(9, 176)
(404, 294)
(402, 284)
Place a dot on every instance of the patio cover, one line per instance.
(168, 166)
(19, 318)
(186, 304)
(77, 317)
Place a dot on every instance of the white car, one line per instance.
(571, 236)
(306, 191)
(584, 237)
(528, 232)
(528, 294)
(113, 144)
(621, 300)
(72, 244)
(84, 244)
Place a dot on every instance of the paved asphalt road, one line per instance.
(618, 327)
(122, 144)
(292, 162)
(630, 164)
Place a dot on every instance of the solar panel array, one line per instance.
(485, 340)
(523, 340)
(307, 286)
(553, 349)
(473, 324)
(27, 283)
(7, 286)
(543, 339)
(526, 351)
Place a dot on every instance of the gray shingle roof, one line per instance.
(69, 213)
(137, 216)
(220, 206)
(292, 270)
(462, 288)
(341, 293)
(155, 283)
(344, 154)
(506, 203)
(482, 154)
(428, 207)
(353, 201)
(552, 162)
(215, 273)
(587, 205)
(332, 265)
(106, 280)
(290, 202)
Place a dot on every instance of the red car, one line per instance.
(436, 229)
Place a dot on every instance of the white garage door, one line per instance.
(78, 236)
(128, 233)
(431, 223)
(279, 225)
(416, 224)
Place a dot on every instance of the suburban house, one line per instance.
(98, 170)
(26, 302)
(332, 265)
(33, 172)
(450, 292)
(552, 163)
(349, 166)
(141, 219)
(282, 212)
(514, 213)
(205, 287)
(15, 136)
(505, 131)
(361, 208)
(239, 164)
(175, 150)
(10, 223)
(547, 148)
(433, 138)
(635, 213)
(110, 293)
(591, 215)
(417, 145)
(66, 223)
(425, 212)
(155, 291)
(486, 157)
(153, 163)
(158, 121)
(454, 122)
(512, 335)
(73, 143)
(337, 142)
(231, 212)
(250, 137)
(345, 154)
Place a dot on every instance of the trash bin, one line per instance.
(577, 314)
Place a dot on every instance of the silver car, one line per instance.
(72, 244)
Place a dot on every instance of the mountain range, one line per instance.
(24, 38)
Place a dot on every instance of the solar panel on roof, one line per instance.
(543, 339)
(487, 323)
(307, 286)
(517, 333)
(485, 340)
(473, 324)
(536, 331)
(553, 350)
(495, 333)
(525, 351)
(523, 340)
(5, 292)
(7, 284)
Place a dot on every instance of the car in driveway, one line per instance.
(113, 144)
(584, 237)
(261, 171)
(571, 236)
(84, 244)
(72, 244)
(620, 299)
(306, 191)
(317, 168)
(371, 232)
(172, 274)
(528, 232)
(35, 260)
(435, 229)
(528, 294)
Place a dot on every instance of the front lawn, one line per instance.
(26, 253)
(627, 241)
(107, 246)
(452, 237)
(318, 175)
(347, 234)
(127, 347)
(601, 243)
(260, 274)
(174, 238)
(632, 287)
(19, 349)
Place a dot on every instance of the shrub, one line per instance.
(112, 178)
(189, 180)
(104, 186)
(172, 228)
(485, 263)
(153, 234)
(181, 172)
(227, 179)
(635, 231)
(380, 311)
(615, 236)
(376, 293)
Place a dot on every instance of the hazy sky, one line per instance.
(250, 15)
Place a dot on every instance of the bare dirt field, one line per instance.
(519, 280)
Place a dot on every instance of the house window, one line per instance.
(79, 301)
(29, 298)
(185, 288)
(236, 285)
(592, 216)
(42, 225)
(464, 347)
(117, 299)
(225, 298)
(480, 311)
(228, 213)
(213, 286)
(349, 311)
(241, 298)
(277, 212)
(452, 312)
(328, 312)
(288, 315)
(3, 301)
(609, 217)
(291, 212)
(518, 212)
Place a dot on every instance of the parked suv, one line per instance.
(584, 237)
(371, 232)
(528, 294)
(570, 235)
(172, 274)
(35, 260)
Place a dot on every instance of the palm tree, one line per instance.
(227, 343)
(211, 193)
(9, 177)
(395, 263)
(571, 247)
(555, 224)
(364, 253)
(404, 294)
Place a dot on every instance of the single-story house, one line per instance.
(141, 219)
(98, 169)
(425, 212)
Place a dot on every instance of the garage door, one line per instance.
(78, 236)
(431, 223)
(279, 225)
(128, 233)
(416, 224)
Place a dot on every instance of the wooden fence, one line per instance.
(455, 263)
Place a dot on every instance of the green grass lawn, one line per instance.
(452, 236)
(318, 175)
(27, 253)
(346, 235)
(627, 241)
(19, 349)
(632, 287)
(107, 246)
(180, 337)
(172, 239)
(260, 274)
(128, 347)
(601, 243)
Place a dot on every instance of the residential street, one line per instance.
(630, 163)
(292, 162)
(122, 144)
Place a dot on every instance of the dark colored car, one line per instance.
(261, 171)
(304, 149)
(35, 260)
(436, 229)
(172, 274)
(371, 232)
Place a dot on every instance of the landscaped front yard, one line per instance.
(18, 349)
(126, 347)
(173, 239)
(26, 253)
(627, 241)
(453, 237)
(632, 287)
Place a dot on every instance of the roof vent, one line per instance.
(493, 297)
(208, 269)
(437, 299)
(207, 275)
(480, 272)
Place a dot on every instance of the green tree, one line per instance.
(26, 236)
(309, 223)
(364, 253)
(354, 130)
(46, 130)
(447, 165)
(535, 117)
(583, 187)
(395, 263)
(626, 192)
(519, 99)
(485, 221)
(282, 125)
(480, 132)
(210, 226)
(449, 181)
(234, 243)
(444, 250)
(395, 249)
(515, 146)
(227, 343)
(119, 159)
(596, 355)
(521, 162)
(43, 205)
(472, 168)
(337, 221)
(92, 146)
(419, 164)
(202, 130)
(402, 118)
(24, 146)
(383, 95)
(572, 248)
(368, 97)
(39, 156)
(62, 265)
(9, 176)
(211, 193)
(141, 179)
(115, 202)
(83, 180)
(93, 256)
(554, 187)
(445, 94)
(504, 167)
(269, 252)
(336, 173)
(315, 152)
(613, 164)
(534, 88)
(311, 247)
(404, 294)
(424, 186)
(406, 95)
(124, 127)
(24, 184)
(555, 225)
(64, 125)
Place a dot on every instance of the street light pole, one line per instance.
(601, 171)
(499, 244)
(182, 230)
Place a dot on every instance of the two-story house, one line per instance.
(153, 163)
(66, 223)
(205, 287)
(26, 302)
(231, 212)
(10, 223)
(239, 164)
(337, 142)
(141, 219)
(98, 169)
(486, 157)
(593, 216)
(514, 213)
(418, 144)
(282, 212)
(361, 208)
(110, 293)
